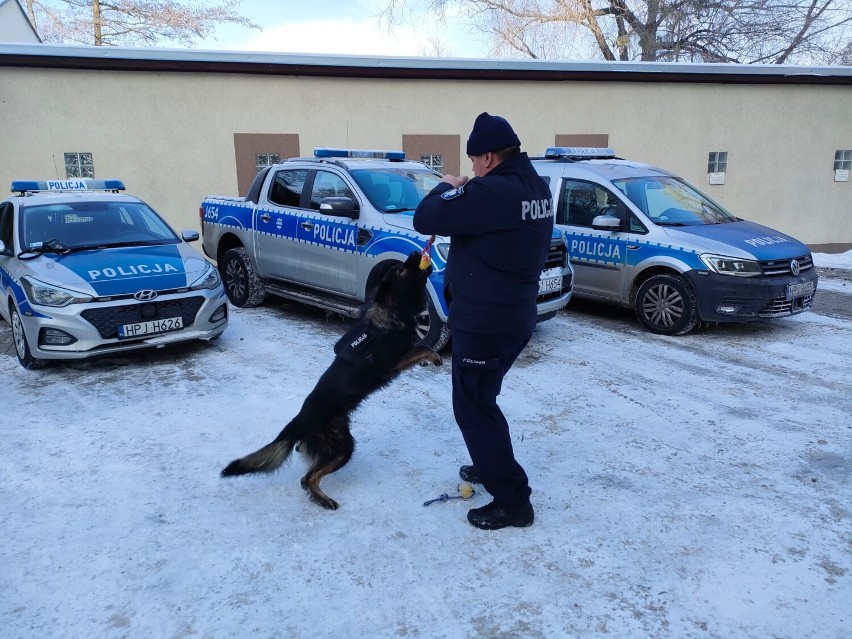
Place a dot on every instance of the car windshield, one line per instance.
(393, 190)
(669, 201)
(94, 224)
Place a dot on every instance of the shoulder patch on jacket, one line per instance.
(452, 194)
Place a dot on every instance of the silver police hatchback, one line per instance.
(86, 270)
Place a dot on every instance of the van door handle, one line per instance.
(307, 225)
(633, 247)
(265, 217)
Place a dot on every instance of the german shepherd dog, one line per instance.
(368, 357)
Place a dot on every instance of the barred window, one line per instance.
(262, 160)
(717, 162)
(79, 165)
(843, 160)
(434, 162)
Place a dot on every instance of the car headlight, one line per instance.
(731, 265)
(208, 279)
(443, 249)
(47, 295)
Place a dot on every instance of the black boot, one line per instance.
(493, 517)
(468, 473)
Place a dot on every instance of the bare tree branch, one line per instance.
(133, 22)
(743, 31)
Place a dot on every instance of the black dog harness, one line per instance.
(370, 344)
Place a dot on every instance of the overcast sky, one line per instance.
(341, 27)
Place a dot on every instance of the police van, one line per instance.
(642, 237)
(323, 230)
(86, 270)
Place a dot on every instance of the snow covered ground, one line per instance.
(698, 486)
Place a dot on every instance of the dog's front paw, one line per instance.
(433, 358)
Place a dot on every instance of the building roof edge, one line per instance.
(266, 63)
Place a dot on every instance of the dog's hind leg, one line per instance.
(330, 450)
(415, 356)
(311, 482)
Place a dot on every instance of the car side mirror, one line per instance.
(606, 223)
(339, 206)
(4, 250)
(189, 236)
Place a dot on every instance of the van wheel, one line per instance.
(22, 348)
(430, 331)
(665, 305)
(242, 285)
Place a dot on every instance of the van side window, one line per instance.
(581, 202)
(327, 184)
(635, 225)
(629, 221)
(6, 212)
(286, 189)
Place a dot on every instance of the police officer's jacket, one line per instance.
(500, 225)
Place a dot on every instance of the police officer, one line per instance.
(500, 223)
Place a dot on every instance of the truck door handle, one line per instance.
(265, 217)
(307, 225)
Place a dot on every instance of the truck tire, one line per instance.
(665, 305)
(431, 332)
(22, 348)
(242, 285)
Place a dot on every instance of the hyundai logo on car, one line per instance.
(145, 296)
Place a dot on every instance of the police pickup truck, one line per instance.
(323, 230)
(86, 270)
(642, 237)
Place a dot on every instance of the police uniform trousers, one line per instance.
(479, 364)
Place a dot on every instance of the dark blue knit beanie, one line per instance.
(490, 133)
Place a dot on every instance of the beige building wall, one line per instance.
(171, 135)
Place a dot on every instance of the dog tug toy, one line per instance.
(466, 491)
(426, 254)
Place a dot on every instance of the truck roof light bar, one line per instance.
(325, 152)
(579, 152)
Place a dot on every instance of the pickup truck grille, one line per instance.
(556, 255)
(107, 318)
(782, 267)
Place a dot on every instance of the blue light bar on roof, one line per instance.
(324, 152)
(578, 152)
(33, 186)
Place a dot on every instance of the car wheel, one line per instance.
(242, 285)
(430, 331)
(22, 348)
(665, 304)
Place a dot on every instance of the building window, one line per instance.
(717, 162)
(434, 162)
(842, 164)
(440, 152)
(263, 160)
(79, 165)
(717, 165)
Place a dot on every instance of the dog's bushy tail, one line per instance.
(265, 460)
